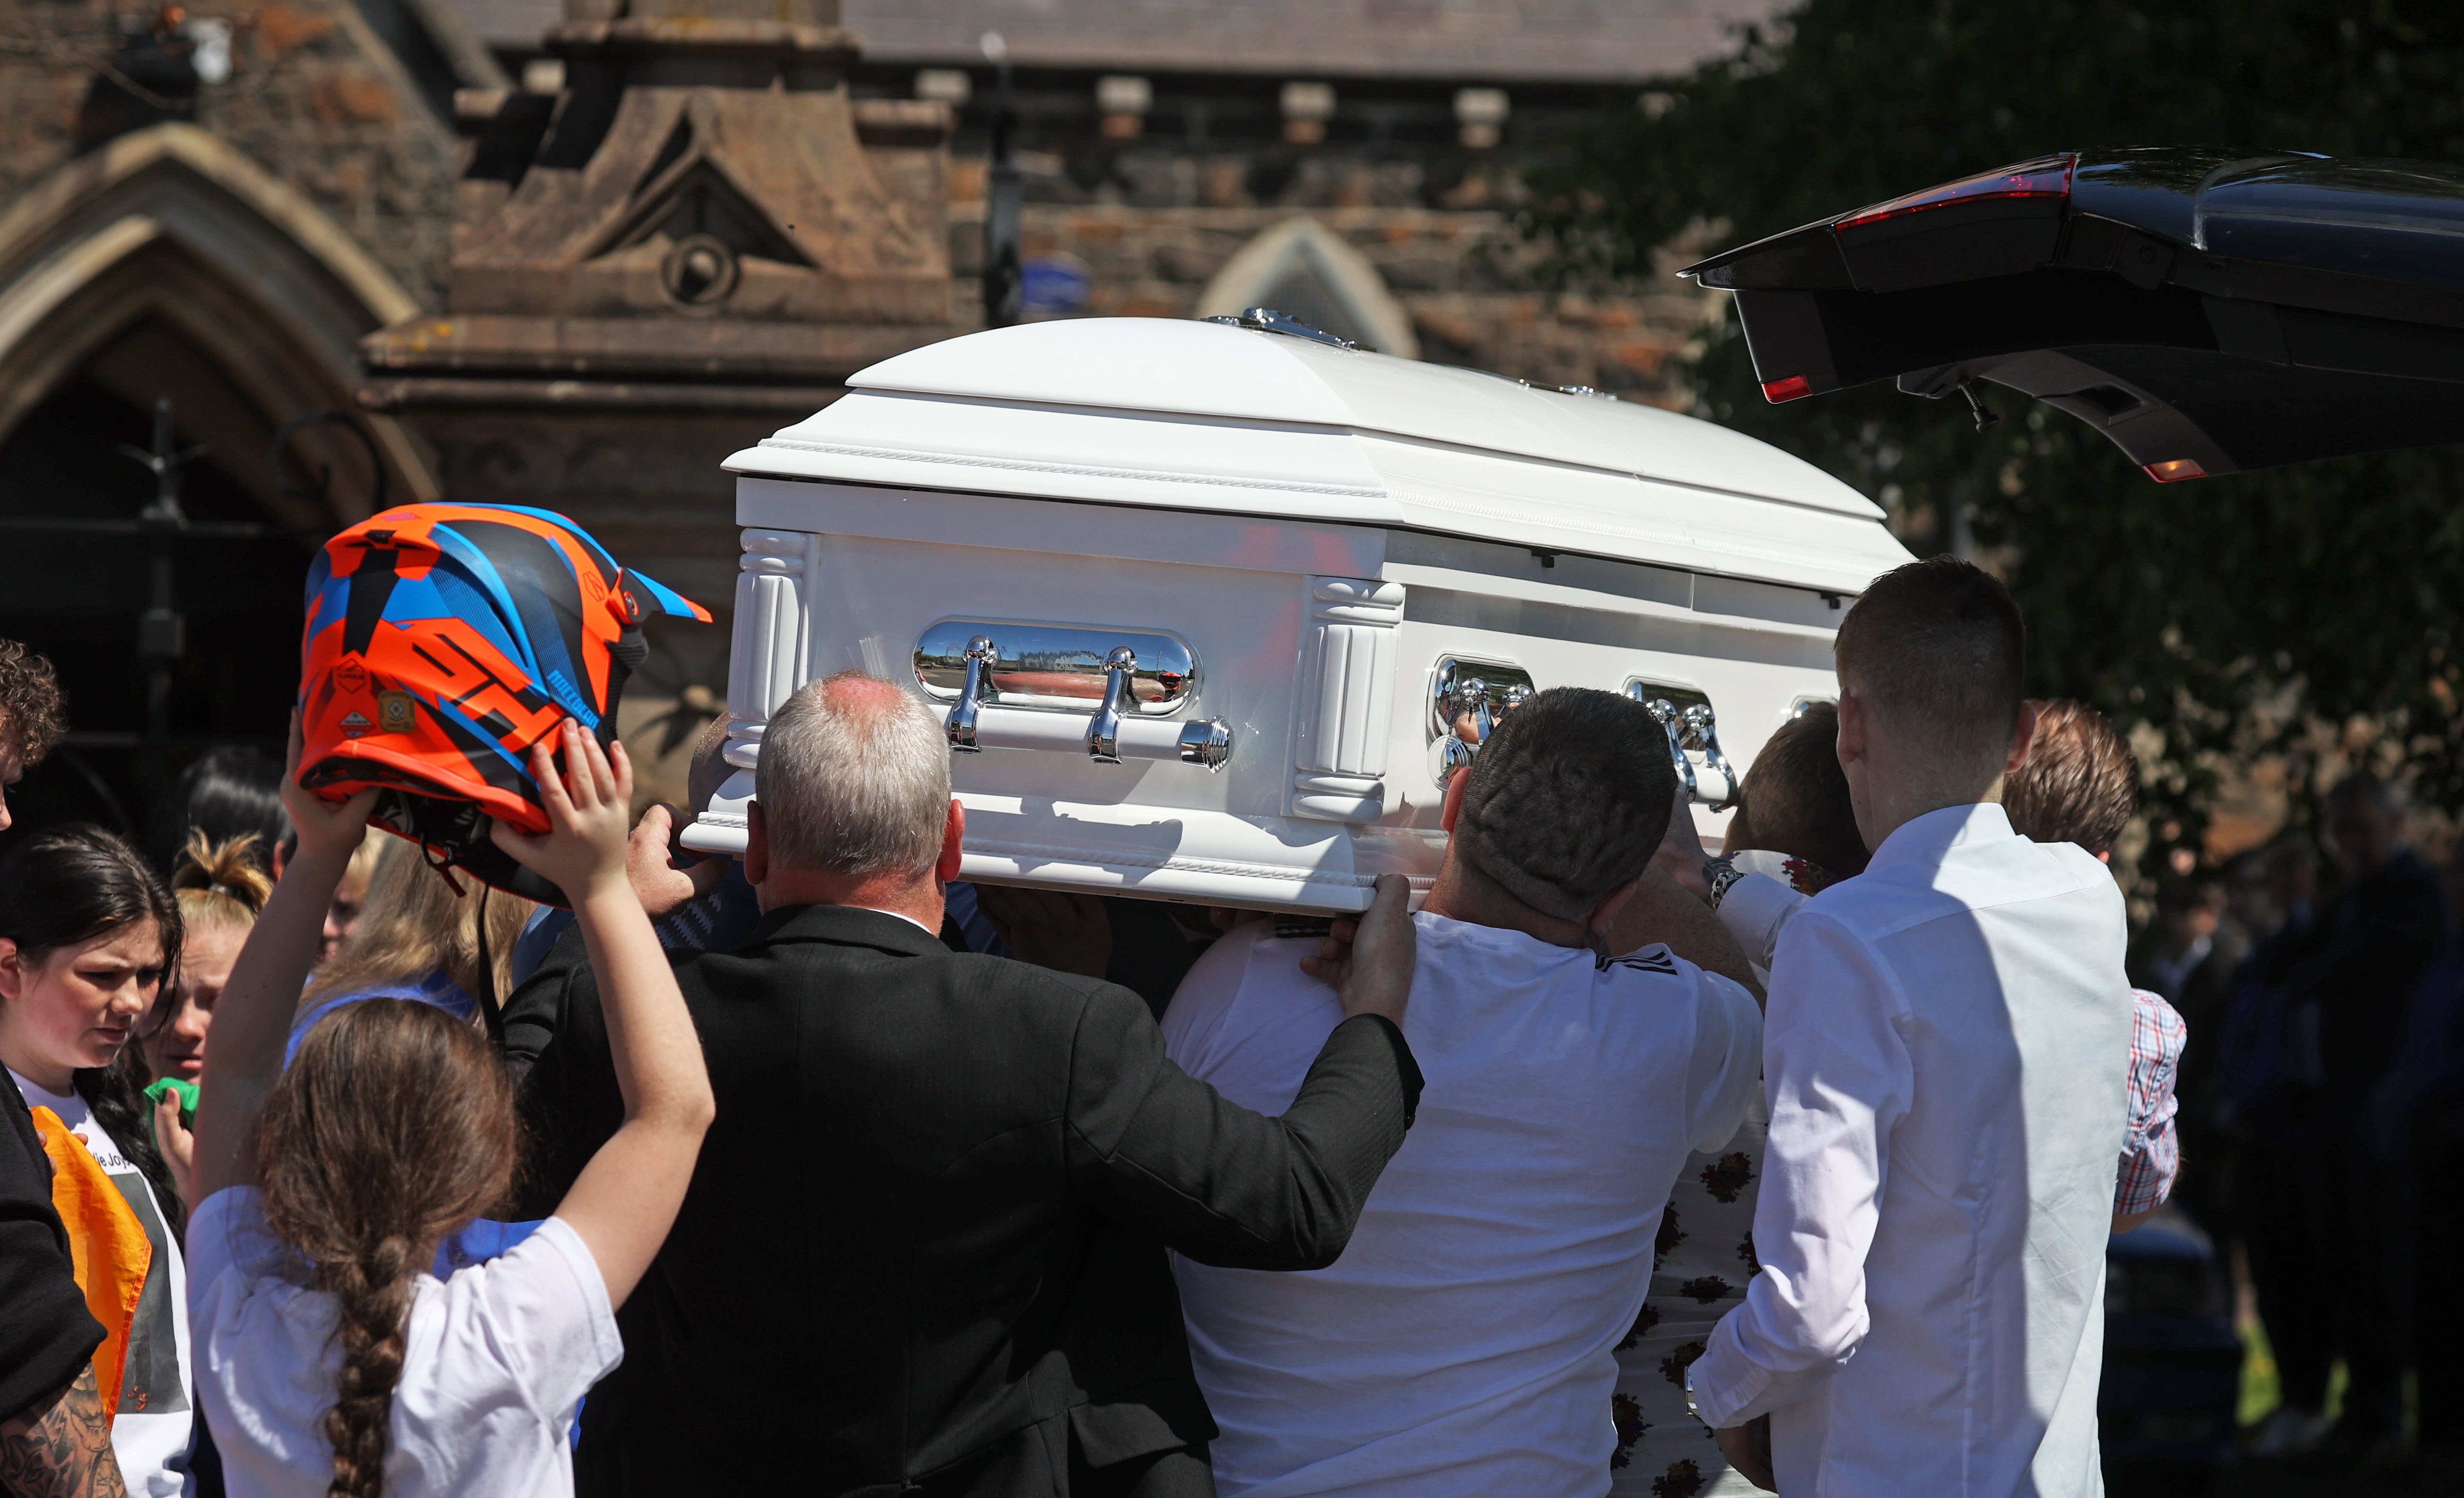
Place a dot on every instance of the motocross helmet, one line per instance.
(442, 641)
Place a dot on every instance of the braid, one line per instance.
(371, 1294)
(394, 1127)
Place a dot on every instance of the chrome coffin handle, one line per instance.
(1704, 725)
(1103, 729)
(1206, 742)
(1664, 713)
(980, 654)
(1471, 698)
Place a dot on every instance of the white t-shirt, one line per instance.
(154, 1428)
(494, 1363)
(1463, 1344)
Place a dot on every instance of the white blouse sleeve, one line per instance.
(542, 1310)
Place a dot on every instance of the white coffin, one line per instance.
(1319, 529)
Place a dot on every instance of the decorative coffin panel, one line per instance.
(766, 662)
(1345, 707)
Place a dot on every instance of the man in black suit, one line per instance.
(924, 1249)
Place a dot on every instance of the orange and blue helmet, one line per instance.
(442, 641)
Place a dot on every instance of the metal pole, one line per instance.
(1004, 198)
(161, 633)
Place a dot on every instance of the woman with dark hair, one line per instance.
(332, 1363)
(88, 936)
(226, 794)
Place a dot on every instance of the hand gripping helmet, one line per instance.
(442, 641)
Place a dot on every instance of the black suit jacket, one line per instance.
(46, 1335)
(2355, 969)
(924, 1240)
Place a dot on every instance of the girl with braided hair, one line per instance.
(330, 1361)
(88, 939)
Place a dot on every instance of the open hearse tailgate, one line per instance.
(2210, 311)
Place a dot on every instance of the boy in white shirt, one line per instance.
(1946, 1066)
(1464, 1343)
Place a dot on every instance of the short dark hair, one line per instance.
(2080, 784)
(1796, 797)
(1568, 798)
(1938, 643)
(32, 716)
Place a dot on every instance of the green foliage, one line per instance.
(2207, 609)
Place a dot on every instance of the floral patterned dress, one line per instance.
(1700, 1267)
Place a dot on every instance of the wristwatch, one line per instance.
(1690, 1407)
(1720, 874)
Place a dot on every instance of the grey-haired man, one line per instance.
(1462, 1345)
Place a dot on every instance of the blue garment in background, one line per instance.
(959, 900)
(436, 989)
(718, 921)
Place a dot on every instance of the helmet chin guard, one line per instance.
(442, 641)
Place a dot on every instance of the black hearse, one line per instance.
(2210, 311)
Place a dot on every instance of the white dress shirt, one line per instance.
(1462, 1347)
(1946, 1108)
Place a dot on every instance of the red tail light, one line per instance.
(2046, 177)
(1793, 387)
(2175, 471)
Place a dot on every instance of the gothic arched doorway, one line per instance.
(166, 265)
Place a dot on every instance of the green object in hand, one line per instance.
(188, 1092)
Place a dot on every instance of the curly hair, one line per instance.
(2080, 784)
(32, 717)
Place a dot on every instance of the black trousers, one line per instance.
(2280, 1206)
(1031, 1464)
(2438, 1312)
(2331, 1241)
(1184, 1474)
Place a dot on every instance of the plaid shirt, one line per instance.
(2151, 1152)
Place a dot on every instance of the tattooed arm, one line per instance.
(61, 1448)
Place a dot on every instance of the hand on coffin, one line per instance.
(660, 881)
(1369, 958)
(1065, 933)
(1681, 854)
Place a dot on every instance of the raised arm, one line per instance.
(1228, 1186)
(253, 1018)
(1662, 911)
(626, 1198)
(1753, 909)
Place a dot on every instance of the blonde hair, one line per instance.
(363, 866)
(219, 884)
(413, 924)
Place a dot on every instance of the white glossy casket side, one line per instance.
(1189, 415)
(1316, 640)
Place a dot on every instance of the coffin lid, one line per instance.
(1195, 416)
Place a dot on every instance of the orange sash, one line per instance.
(106, 1241)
